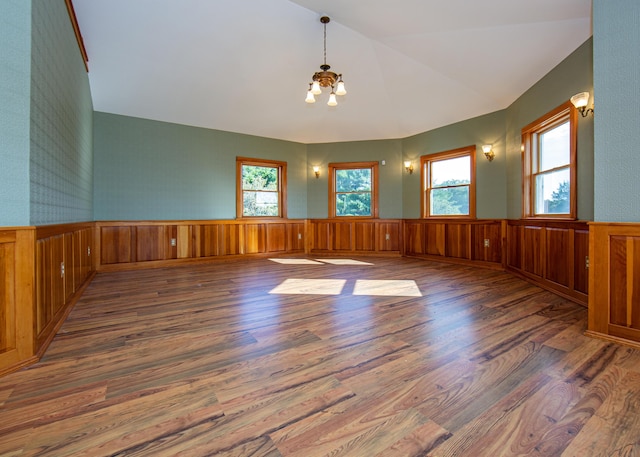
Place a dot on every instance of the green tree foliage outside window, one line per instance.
(260, 191)
(450, 179)
(353, 192)
(549, 164)
(450, 198)
(559, 203)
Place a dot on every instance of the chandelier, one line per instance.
(325, 78)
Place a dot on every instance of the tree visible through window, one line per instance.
(353, 190)
(449, 183)
(260, 188)
(549, 164)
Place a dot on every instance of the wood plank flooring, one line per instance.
(377, 357)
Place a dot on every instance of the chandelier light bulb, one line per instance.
(341, 90)
(315, 88)
(332, 99)
(310, 98)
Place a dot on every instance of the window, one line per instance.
(261, 188)
(549, 165)
(353, 190)
(448, 183)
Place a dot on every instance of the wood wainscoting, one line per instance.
(17, 270)
(125, 245)
(553, 254)
(475, 241)
(614, 282)
(43, 272)
(357, 236)
(64, 267)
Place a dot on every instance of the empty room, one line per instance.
(308, 228)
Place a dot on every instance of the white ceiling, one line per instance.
(244, 66)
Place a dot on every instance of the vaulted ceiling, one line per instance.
(244, 65)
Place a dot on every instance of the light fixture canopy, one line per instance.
(487, 149)
(325, 78)
(580, 101)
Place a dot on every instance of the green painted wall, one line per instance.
(150, 170)
(389, 179)
(572, 75)
(153, 170)
(46, 117)
(61, 156)
(616, 29)
(490, 176)
(15, 70)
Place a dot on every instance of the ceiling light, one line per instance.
(325, 78)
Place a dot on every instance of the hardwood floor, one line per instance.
(381, 357)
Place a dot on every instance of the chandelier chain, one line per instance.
(325, 42)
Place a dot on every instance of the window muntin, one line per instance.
(549, 165)
(260, 188)
(448, 183)
(353, 189)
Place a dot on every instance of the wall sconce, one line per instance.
(408, 166)
(316, 170)
(580, 101)
(487, 149)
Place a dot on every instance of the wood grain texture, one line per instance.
(581, 253)
(455, 240)
(552, 254)
(145, 244)
(7, 295)
(63, 264)
(355, 236)
(614, 278)
(17, 300)
(207, 359)
(559, 256)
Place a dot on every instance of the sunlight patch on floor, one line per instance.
(295, 286)
(383, 287)
(378, 287)
(343, 262)
(296, 261)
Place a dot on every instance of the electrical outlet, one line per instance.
(88, 251)
(486, 242)
(387, 237)
(586, 262)
(173, 242)
(299, 236)
(62, 269)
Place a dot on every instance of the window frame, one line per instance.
(425, 181)
(530, 134)
(336, 166)
(282, 186)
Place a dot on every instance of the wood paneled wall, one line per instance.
(36, 292)
(129, 244)
(614, 282)
(16, 297)
(477, 241)
(43, 271)
(553, 254)
(64, 266)
(361, 236)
